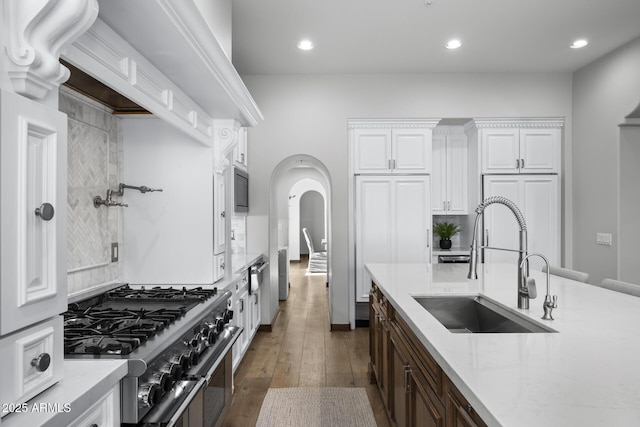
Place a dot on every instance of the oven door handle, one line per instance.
(183, 407)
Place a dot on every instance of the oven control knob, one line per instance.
(188, 357)
(163, 381)
(228, 315)
(149, 394)
(173, 370)
(219, 324)
(181, 361)
(211, 337)
(196, 339)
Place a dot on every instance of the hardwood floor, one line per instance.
(302, 352)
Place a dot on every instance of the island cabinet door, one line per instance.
(459, 413)
(425, 410)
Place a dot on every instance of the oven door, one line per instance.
(182, 407)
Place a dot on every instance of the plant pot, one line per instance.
(445, 244)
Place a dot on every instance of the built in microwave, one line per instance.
(240, 191)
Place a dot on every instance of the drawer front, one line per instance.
(33, 360)
(104, 413)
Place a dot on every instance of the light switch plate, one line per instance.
(605, 239)
(114, 252)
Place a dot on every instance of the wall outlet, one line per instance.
(604, 239)
(114, 252)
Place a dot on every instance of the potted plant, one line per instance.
(446, 230)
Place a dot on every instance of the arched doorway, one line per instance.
(293, 177)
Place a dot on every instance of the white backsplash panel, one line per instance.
(94, 164)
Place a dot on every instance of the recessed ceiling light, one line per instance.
(305, 45)
(453, 44)
(578, 44)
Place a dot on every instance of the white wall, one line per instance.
(168, 235)
(308, 114)
(604, 92)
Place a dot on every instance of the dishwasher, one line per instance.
(256, 274)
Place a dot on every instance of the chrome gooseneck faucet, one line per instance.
(549, 302)
(523, 292)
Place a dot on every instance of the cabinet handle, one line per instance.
(42, 362)
(389, 164)
(469, 408)
(241, 157)
(444, 206)
(45, 211)
(223, 214)
(521, 163)
(242, 305)
(448, 206)
(394, 163)
(486, 237)
(517, 163)
(428, 237)
(407, 384)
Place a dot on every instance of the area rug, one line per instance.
(316, 407)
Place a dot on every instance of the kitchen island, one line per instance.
(585, 374)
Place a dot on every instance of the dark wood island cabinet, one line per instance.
(413, 387)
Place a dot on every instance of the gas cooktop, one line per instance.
(119, 321)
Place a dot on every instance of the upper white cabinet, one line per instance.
(383, 147)
(240, 149)
(449, 190)
(393, 223)
(33, 207)
(509, 147)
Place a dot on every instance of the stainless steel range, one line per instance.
(177, 340)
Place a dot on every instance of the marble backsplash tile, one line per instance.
(94, 164)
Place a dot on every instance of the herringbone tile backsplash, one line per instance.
(94, 159)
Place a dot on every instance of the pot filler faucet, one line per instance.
(97, 201)
(524, 293)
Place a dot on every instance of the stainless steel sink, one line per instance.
(476, 314)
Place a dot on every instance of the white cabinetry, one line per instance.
(242, 319)
(255, 311)
(508, 150)
(449, 193)
(33, 201)
(393, 223)
(105, 412)
(219, 214)
(538, 198)
(380, 150)
(240, 149)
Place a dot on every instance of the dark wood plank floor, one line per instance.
(301, 351)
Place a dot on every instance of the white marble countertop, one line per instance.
(83, 384)
(587, 374)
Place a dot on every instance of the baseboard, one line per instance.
(338, 327)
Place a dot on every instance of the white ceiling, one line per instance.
(407, 36)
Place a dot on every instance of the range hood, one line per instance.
(85, 84)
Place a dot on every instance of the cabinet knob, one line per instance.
(45, 211)
(42, 362)
(223, 214)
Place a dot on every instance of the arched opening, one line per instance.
(300, 193)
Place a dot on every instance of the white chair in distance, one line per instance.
(578, 276)
(317, 259)
(624, 287)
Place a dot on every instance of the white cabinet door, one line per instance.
(439, 176)
(540, 150)
(537, 197)
(219, 214)
(374, 210)
(500, 150)
(457, 175)
(255, 311)
(531, 150)
(33, 206)
(405, 151)
(449, 194)
(393, 222)
(411, 151)
(240, 149)
(411, 221)
(372, 150)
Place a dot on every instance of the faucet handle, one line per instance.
(532, 291)
(552, 302)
